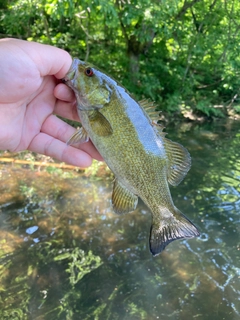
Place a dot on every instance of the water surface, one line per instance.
(65, 255)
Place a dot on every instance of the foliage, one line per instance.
(174, 52)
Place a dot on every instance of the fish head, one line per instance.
(91, 87)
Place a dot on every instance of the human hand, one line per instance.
(30, 96)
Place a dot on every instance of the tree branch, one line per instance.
(185, 7)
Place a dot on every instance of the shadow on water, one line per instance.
(65, 255)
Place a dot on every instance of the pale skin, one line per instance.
(31, 95)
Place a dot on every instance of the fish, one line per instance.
(135, 148)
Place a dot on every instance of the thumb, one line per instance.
(49, 60)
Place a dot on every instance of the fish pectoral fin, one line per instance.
(123, 200)
(179, 161)
(99, 124)
(79, 136)
(164, 231)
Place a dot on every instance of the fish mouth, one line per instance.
(69, 81)
(69, 77)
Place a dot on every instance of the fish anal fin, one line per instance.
(123, 200)
(179, 161)
(175, 228)
(99, 124)
(79, 136)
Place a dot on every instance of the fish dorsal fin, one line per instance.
(123, 200)
(179, 161)
(79, 136)
(159, 128)
(99, 124)
(150, 108)
(147, 104)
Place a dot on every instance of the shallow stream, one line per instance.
(64, 254)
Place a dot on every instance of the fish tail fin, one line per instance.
(175, 226)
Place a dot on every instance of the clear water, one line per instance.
(65, 255)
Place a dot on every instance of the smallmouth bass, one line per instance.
(135, 148)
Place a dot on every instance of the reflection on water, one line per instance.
(65, 255)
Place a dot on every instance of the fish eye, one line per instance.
(89, 72)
